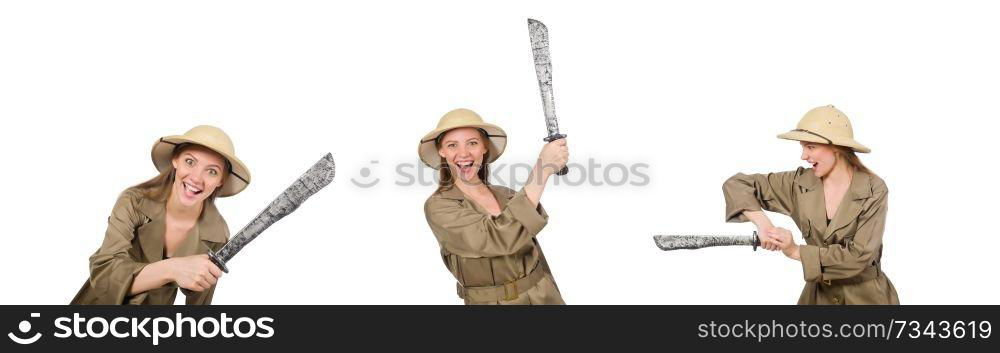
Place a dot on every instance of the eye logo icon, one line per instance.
(25, 326)
(365, 173)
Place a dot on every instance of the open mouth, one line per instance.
(191, 190)
(464, 166)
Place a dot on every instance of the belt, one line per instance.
(869, 273)
(507, 291)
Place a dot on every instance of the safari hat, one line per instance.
(497, 138)
(827, 125)
(214, 139)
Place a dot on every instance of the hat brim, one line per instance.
(237, 179)
(428, 147)
(807, 137)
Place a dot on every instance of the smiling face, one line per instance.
(823, 158)
(464, 150)
(199, 172)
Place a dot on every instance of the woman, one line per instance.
(487, 232)
(838, 204)
(160, 231)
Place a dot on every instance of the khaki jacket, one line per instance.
(485, 251)
(134, 239)
(841, 262)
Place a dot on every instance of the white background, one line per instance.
(695, 90)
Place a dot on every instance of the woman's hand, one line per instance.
(783, 238)
(771, 237)
(768, 235)
(554, 156)
(765, 229)
(775, 238)
(196, 272)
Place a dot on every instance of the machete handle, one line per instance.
(217, 261)
(551, 138)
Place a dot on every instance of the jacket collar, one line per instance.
(451, 193)
(850, 207)
(502, 194)
(852, 204)
(811, 200)
(210, 228)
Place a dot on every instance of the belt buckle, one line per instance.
(510, 291)
(826, 282)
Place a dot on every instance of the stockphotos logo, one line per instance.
(25, 328)
(158, 328)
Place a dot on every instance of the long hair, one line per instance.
(447, 179)
(852, 159)
(159, 187)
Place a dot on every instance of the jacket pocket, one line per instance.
(476, 272)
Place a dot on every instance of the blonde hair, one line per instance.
(159, 187)
(851, 158)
